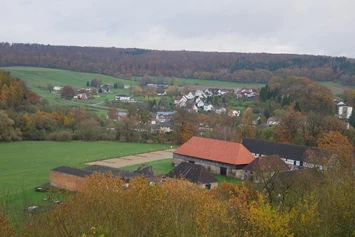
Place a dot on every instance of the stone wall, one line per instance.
(211, 166)
(66, 181)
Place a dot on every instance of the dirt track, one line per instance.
(135, 159)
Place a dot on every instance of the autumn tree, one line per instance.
(89, 130)
(352, 118)
(50, 87)
(96, 82)
(7, 130)
(290, 128)
(186, 125)
(246, 129)
(113, 113)
(68, 92)
(172, 91)
(339, 150)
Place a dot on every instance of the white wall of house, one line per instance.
(345, 112)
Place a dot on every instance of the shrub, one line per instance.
(60, 136)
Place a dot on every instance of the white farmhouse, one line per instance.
(345, 112)
(123, 98)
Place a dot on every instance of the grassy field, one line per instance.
(35, 77)
(25, 165)
(160, 166)
(215, 83)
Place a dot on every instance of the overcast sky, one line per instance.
(324, 27)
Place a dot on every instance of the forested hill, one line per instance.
(120, 62)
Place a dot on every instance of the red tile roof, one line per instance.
(216, 150)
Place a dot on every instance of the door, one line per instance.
(223, 171)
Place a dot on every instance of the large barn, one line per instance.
(218, 157)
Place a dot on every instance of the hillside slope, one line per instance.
(119, 62)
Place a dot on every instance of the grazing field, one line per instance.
(25, 165)
(35, 77)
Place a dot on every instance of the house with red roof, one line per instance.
(218, 157)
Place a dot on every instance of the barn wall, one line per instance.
(211, 166)
(66, 181)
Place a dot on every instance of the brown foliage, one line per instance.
(6, 229)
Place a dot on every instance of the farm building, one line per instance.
(67, 177)
(263, 167)
(218, 157)
(295, 156)
(71, 178)
(194, 173)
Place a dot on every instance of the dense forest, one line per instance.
(238, 67)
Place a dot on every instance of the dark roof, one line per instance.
(192, 172)
(72, 171)
(115, 172)
(268, 164)
(286, 178)
(146, 170)
(287, 151)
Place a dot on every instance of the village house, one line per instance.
(162, 117)
(81, 96)
(194, 173)
(219, 110)
(165, 127)
(296, 156)
(57, 88)
(208, 107)
(234, 113)
(120, 116)
(124, 98)
(272, 121)
(344, 112)
(105, 88)
(264, 167)
(126, 86)
(218, 157)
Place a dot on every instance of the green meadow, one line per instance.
(24, 165)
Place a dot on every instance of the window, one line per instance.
(208, 186)
(301, 163)
(294, 163)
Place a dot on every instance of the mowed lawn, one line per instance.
(160, 166)
(25, 165)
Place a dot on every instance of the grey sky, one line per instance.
(302, 26)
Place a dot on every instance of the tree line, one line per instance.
(120, 62)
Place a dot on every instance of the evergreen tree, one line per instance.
(352, 118)
(87, 83)
(115, 85)
(263, 95)
(297, 107)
